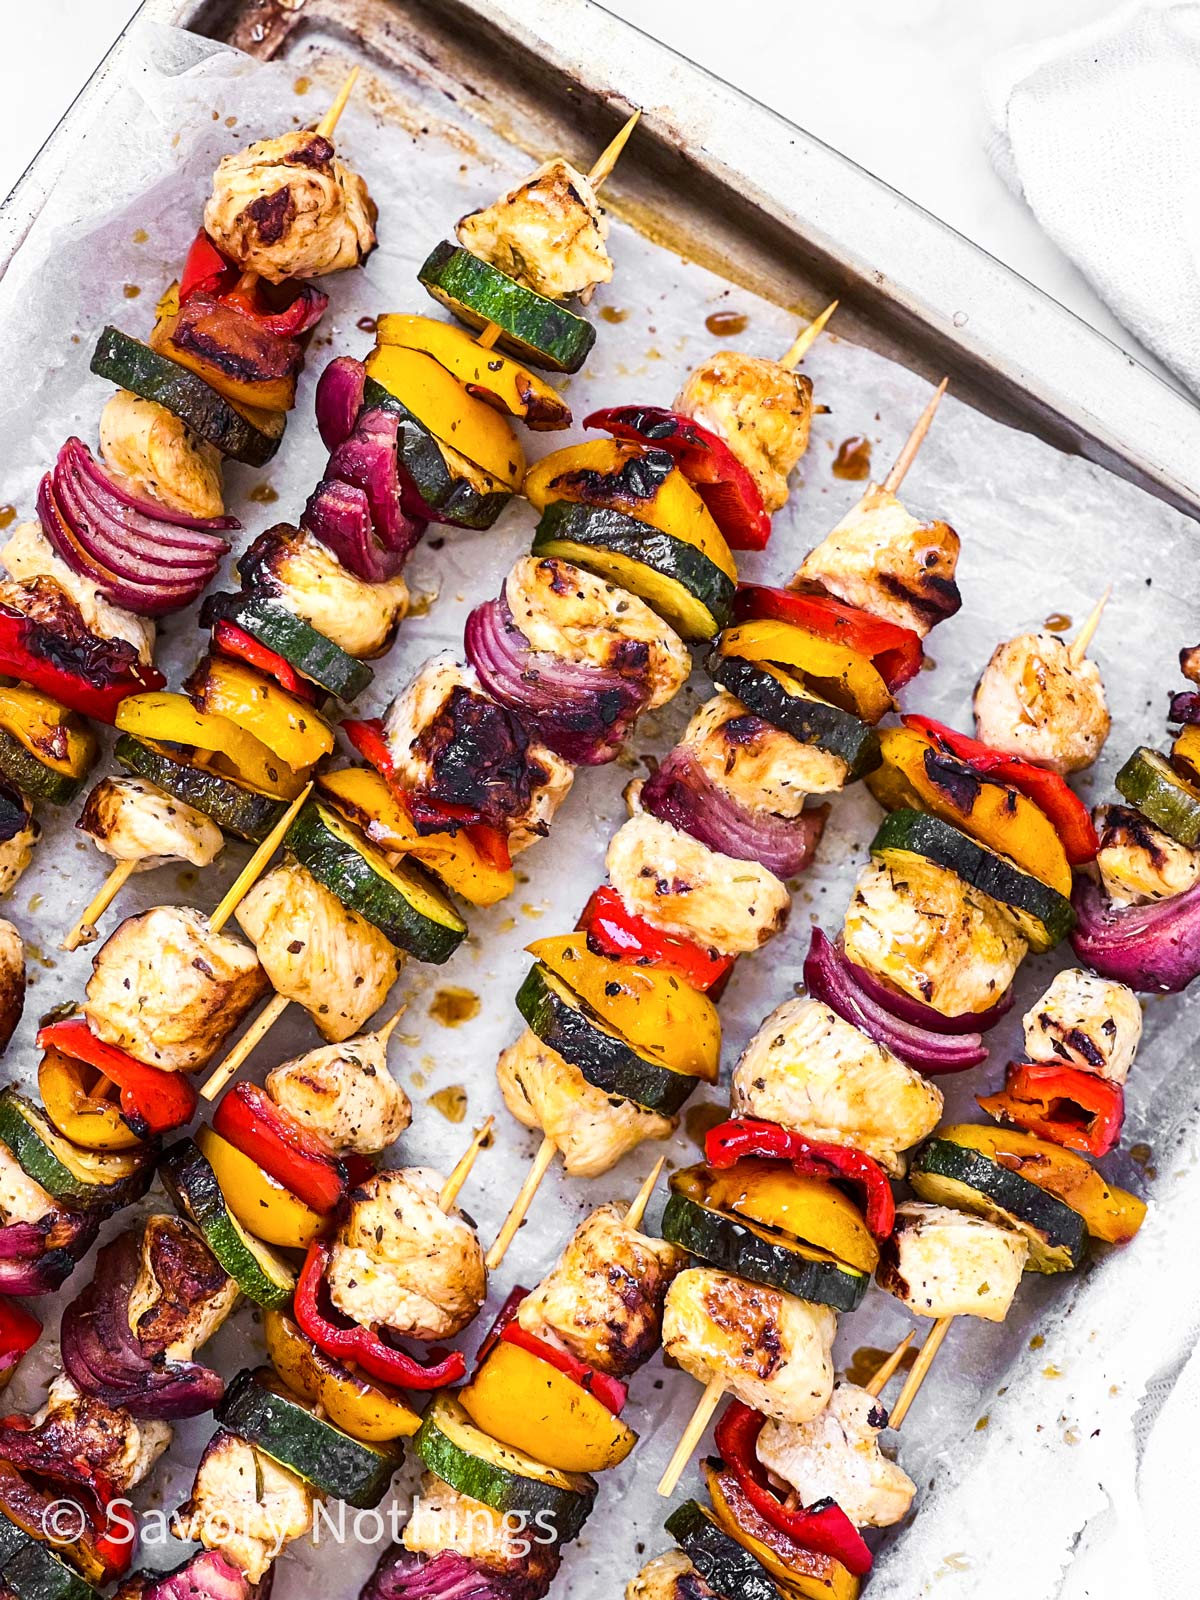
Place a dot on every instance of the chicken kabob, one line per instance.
(620, 1014)
(320, 600)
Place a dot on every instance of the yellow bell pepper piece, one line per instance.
(86, 1119)
(57, 737)
(526, 1403)
(286, 725)
(832, 670)
(488, 375)
(363, 1409)
(996, 814)
(674, 508)
(769, 1192)
(164, 718)
(362, 796)
(436, 398)
(261, 1204)
(652, 1007)
(806, 1575)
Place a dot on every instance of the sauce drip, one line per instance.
(724, 324)
(451, 1006)
(263, 495)
(1057, 622)
(366, 324)
(698, 1119)
(867, 1360)
(451, 1102)
(612, 314)
(8, 515)
(853, 459)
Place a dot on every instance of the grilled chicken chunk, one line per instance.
(760, 408)
(671, 1576)
(808, 1070)
(591, 1130)
(681, 886)
(571, 613)
(132, 820)
(21, 1199)
(771, 1349)
(760, 766)
(1138, 862)
(181, 1295)
(603, 1297)
(159, 457)
(300, 573)
(1086, 1021)
(890, 563)
(508, 1543)
(316, 951)
(836, 1456)
(29, 556)
(400, 1261)
(77, 1427)
(925, 931)
(1032, 701)
(244, 1505)
(16, 852)
(946, 1263)
(548, 233)
(168, 990)
(288, 208)
(345, 1094)
(12, 980)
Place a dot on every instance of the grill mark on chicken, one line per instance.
(477, 754)
(739, 1307)
(187, 1274)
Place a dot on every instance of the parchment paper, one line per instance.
(1014, 1447)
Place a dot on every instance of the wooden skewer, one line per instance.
(641, 1199)
(244, 882)
(253, 1036)
(84, 930)
(920, 1368)
(547, 1151)
(385, 1033)
(332, 117)
(879, 1382)
(913, 443)
(807, 337)
(462, 1167)
(701, 1417)
(608, 157)
(1084, 637)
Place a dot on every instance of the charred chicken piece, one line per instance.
(756, 763)
(12, 981)
(1088, 1022)
(19, 834)
(244, 1505)
(837, 1457)
(1138, 862)
(548, 233)
(181, 1295)
(44, 588)
(762, 410)
(132, 820)
(946, 1263)
(299, 573)
(159, 457)
(1034, 701)
(345, 1094)
(671, 1576)
(107, 1440)
(513, 1561)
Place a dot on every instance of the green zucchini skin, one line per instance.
(1043, 916)
(401, 901)
(950, 1174)
(806, 717)
(198, 1198)
(302, 646)
(132, 365)
(34, 777)
(608, 1062)
(466, 1458)
(30, 1570)
(722, 1241)
(533, 329)
(235, 810)
(1149, 782)
(452, 498)
(61, 1167)
(674, 578)
(314, 1449)
(721, 1561)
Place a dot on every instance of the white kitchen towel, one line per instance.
(1100, 131)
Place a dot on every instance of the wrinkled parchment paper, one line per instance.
(1017, 1441)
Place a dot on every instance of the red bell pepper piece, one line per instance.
(251, 1121)
(615, 931)
(1063, 1104)
(895, 651)
(1053, 794)
(730, 1141)
(826, 1528)
(205, 270)
(506, 1313)
(611, 1392)
(41, 659)
(348, 1342)
(152, 1101)
(727, 488)
(208, 271)
(233, 641)
(19, 1332)
(366, 735)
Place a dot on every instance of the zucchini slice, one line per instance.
(1043, 916)
(532, 328)
(235, 809)
(735, 1244)
(301, 645)
(675, 579)
(605, 1058)
(246, 434)
(1149, 782)
(33, 777)
(30, 1570)
(725, 1564)
(475, 1464)
(455, 489)
(258, 1408)
(783, 701)
(70, 1174)
(400, 900)
(471, 427)
(951, 1174)
(259, 1273)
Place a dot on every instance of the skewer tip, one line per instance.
(908, 452)
(462, 1167)
(332, 117)
(637, 1208)
(1079, 644)
(919, 1370)
(607, 159)
(385, 1033)
(807, 337)
(546, 1153)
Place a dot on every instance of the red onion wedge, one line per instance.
(39, 1257)
(681, 793)
(406, 1575)
(339, 515)
(204, 1576)
(367, 459)
(1153, 948)
(919, 1015)
(832, 978)
(339, 399)
(582, 713)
